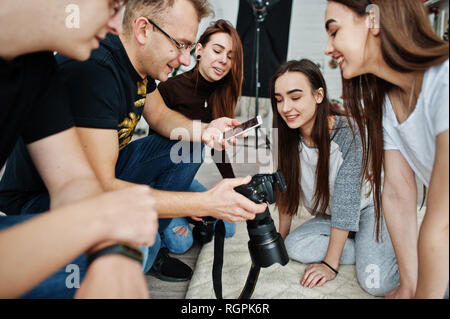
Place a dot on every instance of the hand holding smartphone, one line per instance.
(241, 129)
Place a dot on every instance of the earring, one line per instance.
(199, 57)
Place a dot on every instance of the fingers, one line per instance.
(140, 225)
(236, 215)
(238, 181)
(250, 206)
(211, 137)
(243, 202)
(311, 280)
(315, 275)
(246, 209)
(235, 122)
(306, 275)
(316, 278)
(147, 234)
(227, 122)
(232, 206)
(322, 282)
(232, 141)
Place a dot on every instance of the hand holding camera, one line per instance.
(266, 246)
(229, 205)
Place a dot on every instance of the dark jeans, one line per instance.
(153, 161)
(56, 285)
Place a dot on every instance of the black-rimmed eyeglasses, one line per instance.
(180, 46)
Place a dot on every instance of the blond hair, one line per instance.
(155, 9)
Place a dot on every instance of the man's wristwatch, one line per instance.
(120, 249)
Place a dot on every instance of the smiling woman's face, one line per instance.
(216, 57)
(296, 101)
(347, 42)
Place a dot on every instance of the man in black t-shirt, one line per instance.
(111, 91)
(35, 110)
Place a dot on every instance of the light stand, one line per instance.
(260, 11)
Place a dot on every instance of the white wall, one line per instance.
(223, 9)
(307, 38)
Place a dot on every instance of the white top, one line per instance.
(348, 193)
(416, 137)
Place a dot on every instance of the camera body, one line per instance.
(262, 188)
(266, 245)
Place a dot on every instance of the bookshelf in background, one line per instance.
(439, 16)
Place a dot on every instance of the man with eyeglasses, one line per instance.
(35, 111)
(108, 94)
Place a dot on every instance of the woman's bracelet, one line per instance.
(326, 264)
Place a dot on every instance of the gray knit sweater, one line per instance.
(347, 191)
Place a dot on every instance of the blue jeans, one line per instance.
(179, 244)
(145, 161)
(148, 161)
(54, 286)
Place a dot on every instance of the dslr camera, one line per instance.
(266, 245)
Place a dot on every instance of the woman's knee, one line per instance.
(307, 250)
(374, 280)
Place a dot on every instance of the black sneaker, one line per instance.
(169, 269)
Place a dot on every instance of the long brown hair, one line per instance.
(408, 44)
(225, 97)
(289, 141)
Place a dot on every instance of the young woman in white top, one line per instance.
(321, 160)
(395, 84)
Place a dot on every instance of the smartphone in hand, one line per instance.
(241, 129)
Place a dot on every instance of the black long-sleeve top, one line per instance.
(188, 94)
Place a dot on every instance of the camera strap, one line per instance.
(252, 278)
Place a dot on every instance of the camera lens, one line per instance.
(266, 245)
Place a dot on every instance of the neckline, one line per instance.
(122, 55)
(391, 106)
(201, 84)
(337, 119)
